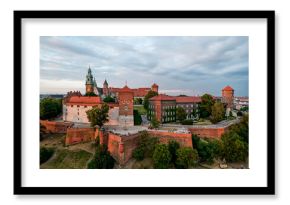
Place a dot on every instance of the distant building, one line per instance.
(189, 104)
(163, 107)
(75, 107)
(240, 102)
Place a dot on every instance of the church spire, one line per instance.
(89, 77)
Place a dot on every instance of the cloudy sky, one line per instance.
(178, 64)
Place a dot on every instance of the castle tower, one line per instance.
(154, 87)
(126, 96)
(105, 88)
(89, 82)
(228, 96)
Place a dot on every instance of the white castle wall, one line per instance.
(76, 113)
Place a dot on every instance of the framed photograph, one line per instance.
(144, 102)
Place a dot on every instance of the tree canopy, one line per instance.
(180, 113)
(186, 158)
(206, 104)
(50, 108)
(154, 122)
(108, 99)
(161, 157)
(149, 95)
(217, 113)
(98, 116)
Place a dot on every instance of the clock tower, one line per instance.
(126, 117)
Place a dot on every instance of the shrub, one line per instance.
(154, 122)
(239, 113)
(173, 146)
(102, 159)
(45, 154)
(186, 158)
(139, 153)
(161, 157)
(187, 122)
(137, 118)
(234, 148)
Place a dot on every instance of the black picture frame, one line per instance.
(268, 190)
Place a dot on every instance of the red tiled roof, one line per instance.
(84, 100)
(125, 89)
(162, 97)
(189, 99)
(228, 88)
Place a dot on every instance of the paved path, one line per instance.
(221, 124)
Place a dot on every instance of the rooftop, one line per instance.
(84, 100)
(228, 88)
(162, 97)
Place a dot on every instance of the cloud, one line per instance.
(184, 62)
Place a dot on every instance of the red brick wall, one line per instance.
(77, 135)
(121, 148)
(55, 127)
(183, 139)
(208, 132)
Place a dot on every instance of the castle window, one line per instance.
(71, 105)
(78, 106)
(85, 106)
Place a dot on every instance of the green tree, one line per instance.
(234, 148)
(98, 116)
(102, 158)
(242, 128)
(50, 108)
(161, 157)
(218, 112)
(109, 99)
(138, 101)
(180, 114)
(149, 95)
(137, 118)
(90, 94)
(205, 106)
(173, 146)
(146, 146)
(186, 158)
(154, 122)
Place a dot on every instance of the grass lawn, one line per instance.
(67, 159)
(140, 109)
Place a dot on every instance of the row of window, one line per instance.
(79, 106)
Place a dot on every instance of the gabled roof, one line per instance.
(228, 88)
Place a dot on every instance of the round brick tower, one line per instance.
(228, 96)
